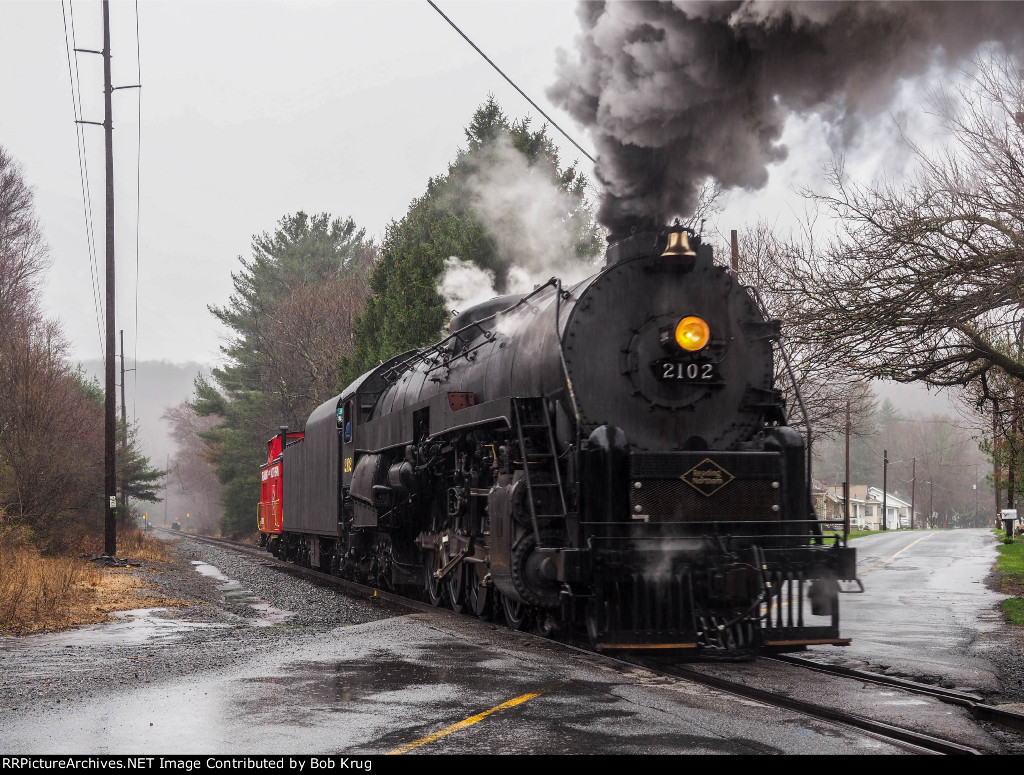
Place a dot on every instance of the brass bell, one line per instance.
(678, 245)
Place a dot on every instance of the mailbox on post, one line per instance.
(1009, 519)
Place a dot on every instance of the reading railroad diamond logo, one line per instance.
(707, 477)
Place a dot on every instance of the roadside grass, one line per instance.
(40, 593)
(855, 533)
(1010, 566)
(132, 544)
(861, 533)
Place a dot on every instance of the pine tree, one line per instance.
(280, 362)
(405, 310)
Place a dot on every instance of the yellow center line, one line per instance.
(901, 551)
(469, 721)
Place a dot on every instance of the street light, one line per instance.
(931, 511)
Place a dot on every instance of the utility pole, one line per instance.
(735, 268)
(885, 489)
(124, 428)
(109, 408)
(846, 509)
(996, 471)
(168, 469)
(109, 401)
(913, 488)
(976, 496)
(846, 516)
(110, 422)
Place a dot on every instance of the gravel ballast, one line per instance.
(241, 618)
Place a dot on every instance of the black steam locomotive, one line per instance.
(613, 456)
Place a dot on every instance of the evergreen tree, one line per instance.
(137, 477)
(280, 362)
(405, 310)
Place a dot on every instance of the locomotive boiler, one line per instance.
(612, 457)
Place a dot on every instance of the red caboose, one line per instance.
(269, 513)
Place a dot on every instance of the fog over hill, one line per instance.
(916, 400)
(150, 390)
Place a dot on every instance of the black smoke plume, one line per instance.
(676, 92)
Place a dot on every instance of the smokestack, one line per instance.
(677, 92)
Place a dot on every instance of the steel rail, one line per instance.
(972, 702)
(889, 731)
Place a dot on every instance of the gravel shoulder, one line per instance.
(230, 609)
(1005, 649)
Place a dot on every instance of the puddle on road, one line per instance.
(234, 593)
(147, 625)
(130, 628)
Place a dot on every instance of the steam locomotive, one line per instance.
(610, 458)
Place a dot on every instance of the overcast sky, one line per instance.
(249, 111)
(257, 109)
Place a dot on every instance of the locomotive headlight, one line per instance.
(692, 333)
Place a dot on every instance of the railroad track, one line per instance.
(912, 739)
(918, 741)
(972, 702)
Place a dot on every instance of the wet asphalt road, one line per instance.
(928, 613)
(270, 664)
(393, 684)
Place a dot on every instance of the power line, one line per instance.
(83, 166)
(514, 86)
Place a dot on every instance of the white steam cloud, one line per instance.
(529, 218)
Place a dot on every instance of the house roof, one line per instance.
(868, 493)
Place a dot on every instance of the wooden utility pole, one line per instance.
(846, 513)
(913, 488)
(997, 473)
(109, 384)
(885, 489)
(124, 430)
(110, 422)
(735, 258)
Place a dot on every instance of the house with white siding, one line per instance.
(866, 503)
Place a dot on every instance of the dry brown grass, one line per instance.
(44, 594)
(39, 593)
(132, 544)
